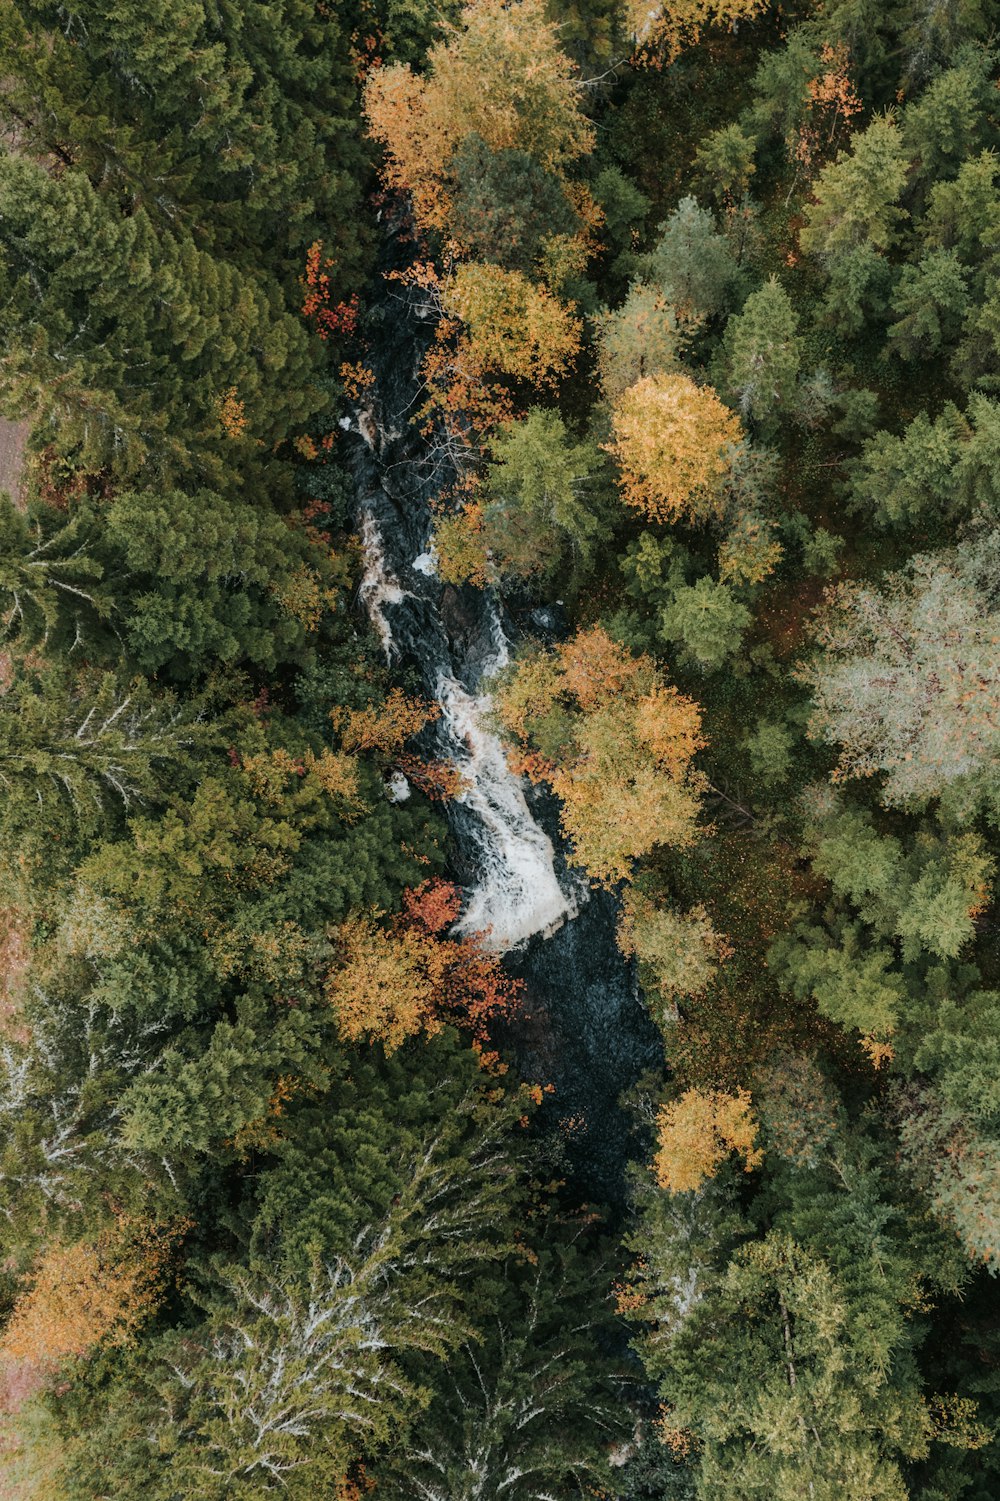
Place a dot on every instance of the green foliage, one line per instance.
(643, 337)
(302, 1361)
(857, 197)
(691, 263)
(125, 341)
(238, 123)
(211, 579)
(541, 501)
(762, 353)
(533, 1404)
(904, 682)
(962, 213)
(858, 289)
(51, 583)
(725, 160)
(79, 751)
(707, 621)
(930, 302)
(949, 120)
(770, 748)
(505, 205)
(902, 480)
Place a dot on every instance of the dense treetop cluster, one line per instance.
(711, 292)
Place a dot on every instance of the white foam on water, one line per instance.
(425, 563)
(518, 893)
(378, 588)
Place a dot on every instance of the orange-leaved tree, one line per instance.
(614, 740)
(661, 31)
(697, 1132)
(672, 441)
(91, 1292)
(384, 728)
(395, 982)
(501, 75)
(512, 327)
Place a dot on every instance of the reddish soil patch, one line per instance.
(783, 618)
(13, 440)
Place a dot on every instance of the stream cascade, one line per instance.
(583, 1027)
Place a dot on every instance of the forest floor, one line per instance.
(13, 438)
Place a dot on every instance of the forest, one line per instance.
(499, 750)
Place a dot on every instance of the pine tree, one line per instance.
(124, 343)
(237, 127)
(763, 352)
(856, 197)
(52, 581)
(531, 1407)
(707, 621)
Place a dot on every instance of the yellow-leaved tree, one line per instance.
(91, 1292)
(697, 1132)
(411, 978)
(672, 440)
(512, 326)
(615, 742)
(663, 30)
(501, 75)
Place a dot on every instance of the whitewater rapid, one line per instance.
(517, 893)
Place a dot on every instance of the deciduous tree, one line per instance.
(907, 682)
(672, 441)
(500, 75)
(697, 1131)
(615, 743)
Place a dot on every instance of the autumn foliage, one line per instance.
(671, 440)
(660, 32)
(90, 1292)
(513, 327)
(697, 1132)
(385, 728)
(614, 741)
(501, 75)
(395, 983)
(833, 104)
(318, 307)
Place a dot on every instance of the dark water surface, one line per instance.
(584, 1029)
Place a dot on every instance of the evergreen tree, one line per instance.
(856, 197)
(52, 582)
(236, 126)
(930, 303)
(125, 343)
(530, 1409)
(762, 351)
(707, 621)
(692, 264)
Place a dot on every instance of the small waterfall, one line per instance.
(584, 1029)
(518, 892)
(378, 588)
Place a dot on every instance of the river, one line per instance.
(583, 1028)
